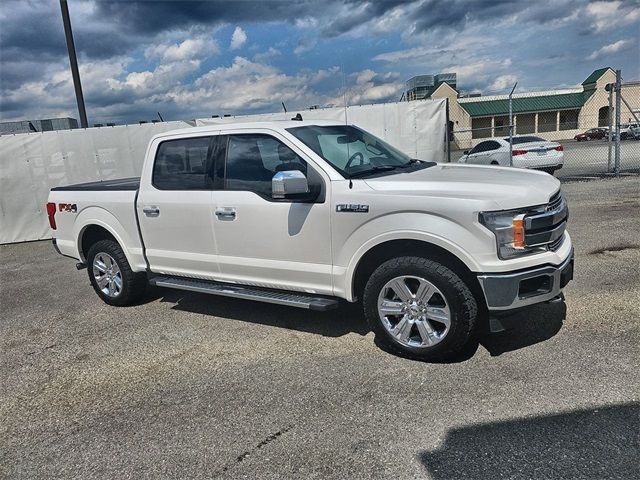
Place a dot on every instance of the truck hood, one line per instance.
(507, 187)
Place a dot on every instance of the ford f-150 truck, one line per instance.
(306, 213)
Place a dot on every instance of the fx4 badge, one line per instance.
(67, 207)
(352, 207)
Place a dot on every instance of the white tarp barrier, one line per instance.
(32, 163)
(416, 128)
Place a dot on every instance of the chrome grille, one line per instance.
(547, 228)
(554, 202)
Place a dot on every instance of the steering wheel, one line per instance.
(353, 157)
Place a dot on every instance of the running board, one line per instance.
(291, 299)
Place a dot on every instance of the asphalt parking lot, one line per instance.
(192, 386)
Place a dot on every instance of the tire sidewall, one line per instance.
(462, 318)
(113, 249)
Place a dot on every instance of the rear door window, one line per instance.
(183, 164)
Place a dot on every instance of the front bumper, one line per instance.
(510, 291)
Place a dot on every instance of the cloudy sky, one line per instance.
(193, 59)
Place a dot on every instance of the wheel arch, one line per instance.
(385, 250)
(91, 234)
(95, 223)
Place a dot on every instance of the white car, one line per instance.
(528, 152)
(630, 131)
(307, 213)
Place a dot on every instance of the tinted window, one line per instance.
(253, 160)
(182, 164)
(485, 147)
(527, 139)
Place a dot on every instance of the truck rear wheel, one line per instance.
(111, 276)
(420, 309)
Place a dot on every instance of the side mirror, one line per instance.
(288, 184)
(466, 152)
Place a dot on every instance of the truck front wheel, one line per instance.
(419, 308)
(111, 276)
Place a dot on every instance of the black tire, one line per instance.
(494, 163)
(461, 301)
(133, 283)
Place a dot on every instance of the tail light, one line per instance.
(559, 148)
(51, 213)
(519, 152)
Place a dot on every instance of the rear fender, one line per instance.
(99, 216)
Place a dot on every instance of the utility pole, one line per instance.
(610, 88)
(618, 88)
(511, 124)
(71, 48)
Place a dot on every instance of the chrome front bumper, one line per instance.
(510, 291)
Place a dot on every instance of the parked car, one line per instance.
(307, 213)
(592, 134)
(528, 152)
(629, 131)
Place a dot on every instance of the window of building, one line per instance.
(547, 121)
(569, 119)
(501, 126)
(182, 164)
(253, 160)
(603, 116)
(481, 127)
(525, 123)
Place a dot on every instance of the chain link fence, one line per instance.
(591, 144)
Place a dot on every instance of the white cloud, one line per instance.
(305, 45)
(610, 49)
(369, 87)
(503, 82)
(243, 86)
(269, 54)
(238, 39)
(191, 48)
(611, 15)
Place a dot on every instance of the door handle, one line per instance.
(151, 211)
(226, 213)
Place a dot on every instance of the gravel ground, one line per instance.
(192, 386)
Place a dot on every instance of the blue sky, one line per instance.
(190, 59)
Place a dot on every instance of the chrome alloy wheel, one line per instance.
(107, 274)
(414, 311)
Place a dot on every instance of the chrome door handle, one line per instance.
(226, 213)
(151, 211)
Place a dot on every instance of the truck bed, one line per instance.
(132, 183)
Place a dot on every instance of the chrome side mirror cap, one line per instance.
(289, 183)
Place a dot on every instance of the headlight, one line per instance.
(508, 227)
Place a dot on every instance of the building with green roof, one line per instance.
(556, 115)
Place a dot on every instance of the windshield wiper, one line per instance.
(410, 163)
(376, 169)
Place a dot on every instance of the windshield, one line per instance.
(350, 150)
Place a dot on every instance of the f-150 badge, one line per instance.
(352, 207)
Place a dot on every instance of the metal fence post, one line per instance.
(610, 123)
(511, 125)
(618, 105)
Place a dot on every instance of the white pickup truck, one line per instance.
(307, 213)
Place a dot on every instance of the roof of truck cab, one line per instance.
(272, 125)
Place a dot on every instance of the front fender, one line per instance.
(393, 227)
